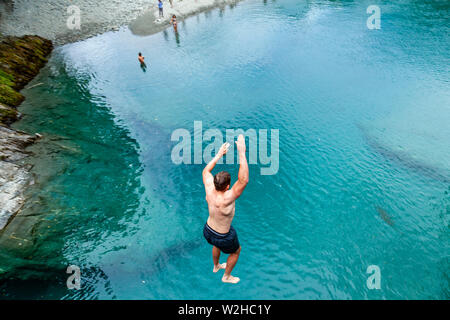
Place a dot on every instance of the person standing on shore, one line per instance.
(171, 3)
(218, 230)
(160, 7)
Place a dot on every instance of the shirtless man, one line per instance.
(218, 230)
(141, 59)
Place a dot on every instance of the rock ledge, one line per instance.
(21, 58)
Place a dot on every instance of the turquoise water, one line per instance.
(355, 187)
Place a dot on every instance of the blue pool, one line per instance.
(364, 156)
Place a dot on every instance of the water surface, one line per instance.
(364, 175)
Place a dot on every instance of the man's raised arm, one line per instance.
(208, 179)
(243, 175)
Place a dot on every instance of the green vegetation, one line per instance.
(6, 78)
(9, 96)
(20, 61)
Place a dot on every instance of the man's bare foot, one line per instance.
(230, 279)
(219, 266)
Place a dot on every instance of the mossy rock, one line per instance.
(8, 115)
(9, 96)
(22, 58)
(6, 78)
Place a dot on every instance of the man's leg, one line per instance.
(216, 256)
(231, 262)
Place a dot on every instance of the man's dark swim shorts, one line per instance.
(226, 242)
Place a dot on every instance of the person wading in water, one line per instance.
(141, 60)
(173, 21)
(218, 230)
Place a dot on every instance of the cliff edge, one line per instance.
(21, 59)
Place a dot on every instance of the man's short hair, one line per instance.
(222, 180)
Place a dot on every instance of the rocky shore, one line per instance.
(48, 19)
(149, 22)
(21, 58)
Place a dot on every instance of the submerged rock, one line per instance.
(13, 144)
(20, 61)
(8, 115)
(385, 216)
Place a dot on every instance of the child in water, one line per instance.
(141, 60)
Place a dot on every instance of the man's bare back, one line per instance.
(221, 208)
(221, 205)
